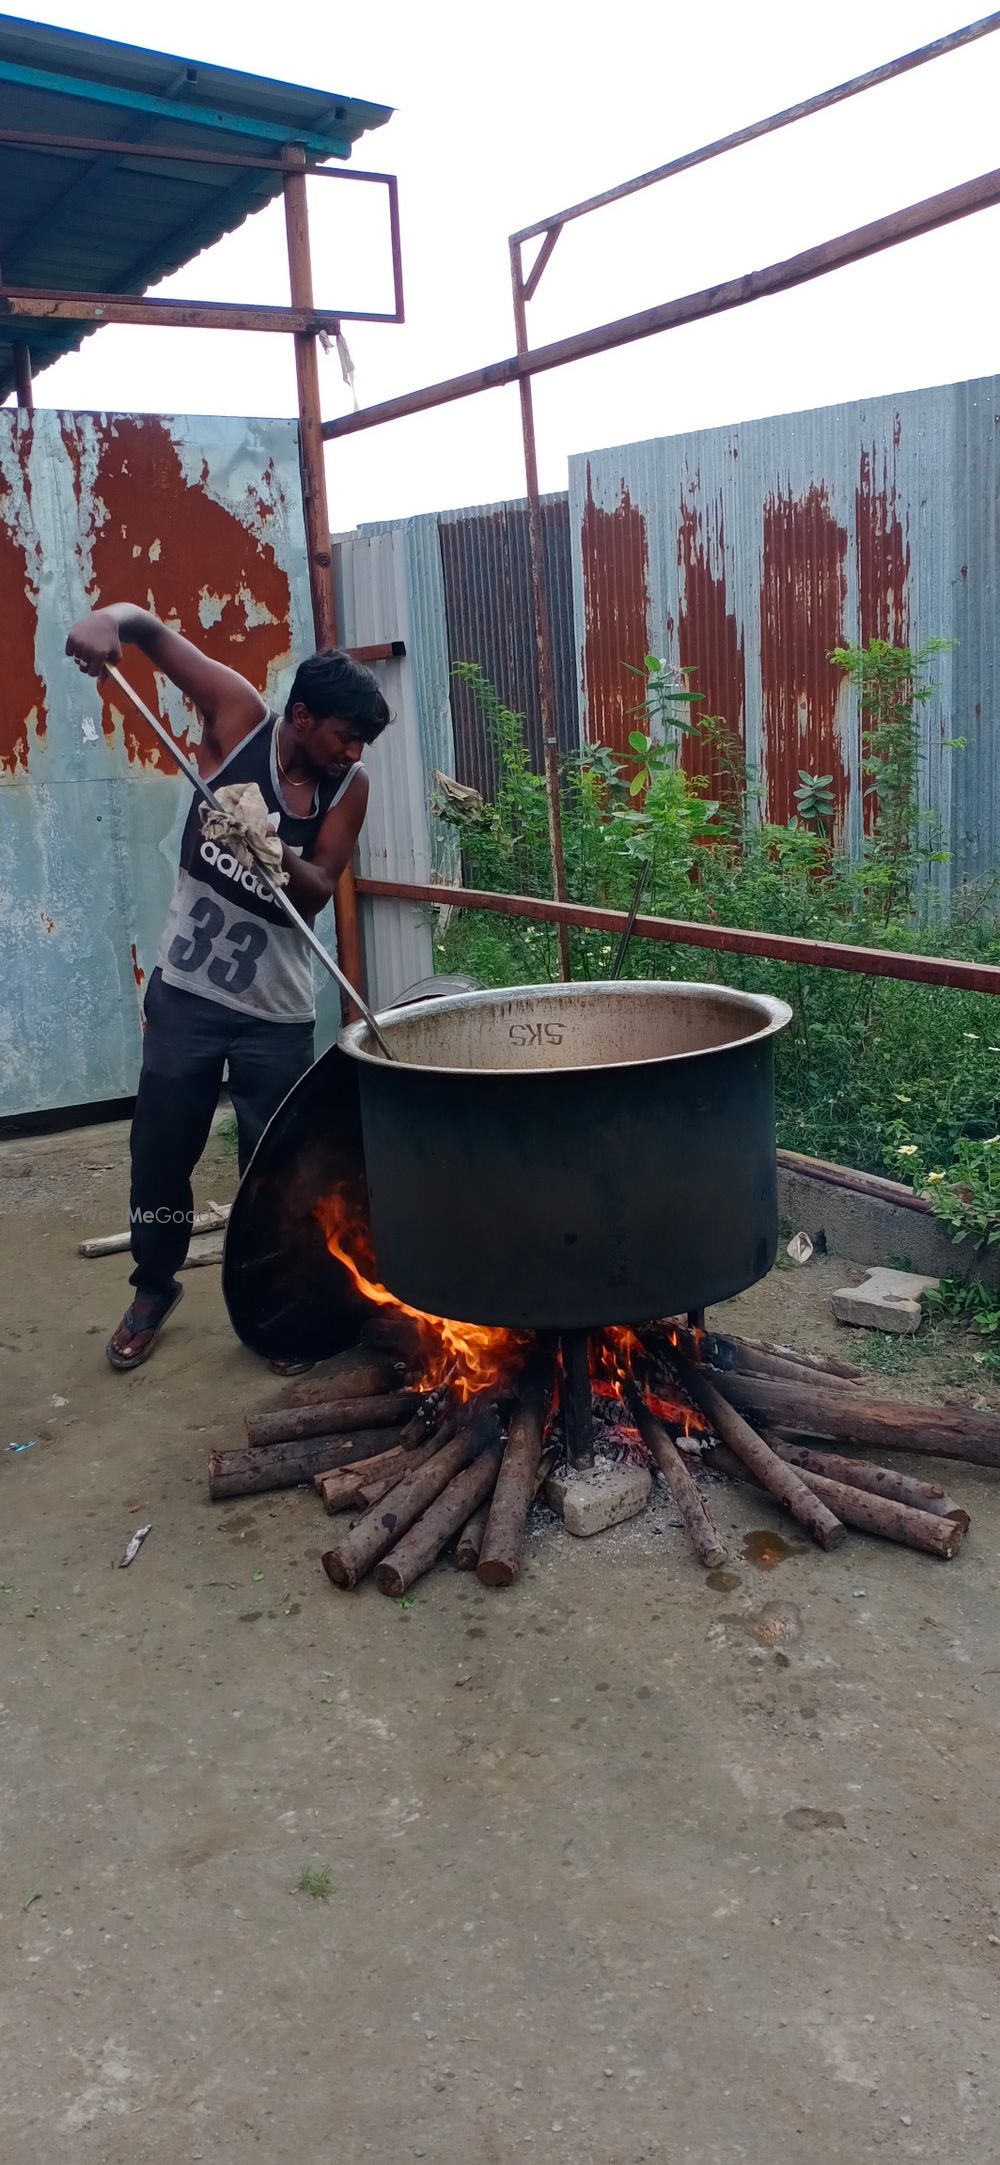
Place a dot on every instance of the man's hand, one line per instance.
(94, 642)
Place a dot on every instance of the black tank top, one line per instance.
(225, 938)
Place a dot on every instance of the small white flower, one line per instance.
(971, 1037)
(901, 1099)
(909, 1150)
(935, 1176)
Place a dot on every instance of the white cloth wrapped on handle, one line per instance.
(247, 828)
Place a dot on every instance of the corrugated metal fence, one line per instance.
(744, 555)
(200, 520)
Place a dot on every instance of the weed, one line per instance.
(317, 1880)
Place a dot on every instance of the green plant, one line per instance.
(967, 1197)
(891, 687)
(317, 1880)
(967, 1302)
(816, 801)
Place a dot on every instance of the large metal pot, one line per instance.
(566, 1156)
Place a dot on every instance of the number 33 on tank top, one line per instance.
(232, 973)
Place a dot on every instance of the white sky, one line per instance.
(506, 114)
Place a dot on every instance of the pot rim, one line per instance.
(775, 1014)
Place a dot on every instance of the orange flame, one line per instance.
(618, 1357)
(467, 1356)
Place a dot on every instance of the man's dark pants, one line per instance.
(186, 1046)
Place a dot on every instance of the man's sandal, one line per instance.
(291, 1368)
(140, 1328)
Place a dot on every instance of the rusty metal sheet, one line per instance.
(199, 519)
(745, 554)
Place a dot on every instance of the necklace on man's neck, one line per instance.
(282, 769)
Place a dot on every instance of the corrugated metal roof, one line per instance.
(85, 222)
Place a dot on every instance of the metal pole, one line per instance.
(22, 376)
(543, 639)
(314, 502)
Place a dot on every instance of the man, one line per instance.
(233, 979)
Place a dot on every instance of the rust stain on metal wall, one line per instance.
(803, 596)
(22, 693)
(164, 543)
(616, 614)
(710, 641)
(883, 558)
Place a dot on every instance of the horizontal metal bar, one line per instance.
(391, 650)
(726, 939)
(90, 92)
(55, 307)
(806, 107)
(832, 255)
(174, 153)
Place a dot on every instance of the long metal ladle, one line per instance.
(277, 893)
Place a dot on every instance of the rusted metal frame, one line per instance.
(316, 513)
(823, 99)
(22, 376)
(531, 284)
(540, 601)
(832, 255)
(56, 307)
(179, 153)
(726, 939)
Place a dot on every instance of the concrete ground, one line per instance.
(623, 1865)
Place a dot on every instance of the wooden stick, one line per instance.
(872, 1514)
(335, 1417)
(356, 1374)
(249, 1472)
(451, 1509)
(375, 1533)
(339, 1491)
(690, 1502)
(470, 1539)
(877, 1480)
(780, 1480)
(507, 1525)
(204, 1251)
(818, 1409)
(816, 1364)
(371, 1489)
(204, 1221)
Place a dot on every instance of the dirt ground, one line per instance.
(623, 1866)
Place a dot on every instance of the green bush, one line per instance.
(890, 1076)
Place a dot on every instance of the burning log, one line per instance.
(356, 1374)
(470, 1539)
(375, 1533)
(250, 1471)
(338, 1416)
(872, 1514)
(745, 1356)
(844, 1416)
(427, 1537)
(780, 1480)
(877, 1480)
(516, 1488)
(687, 1496)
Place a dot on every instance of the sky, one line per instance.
(504, 116)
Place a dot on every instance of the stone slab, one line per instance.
(604, 1495)
(887, 1300)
